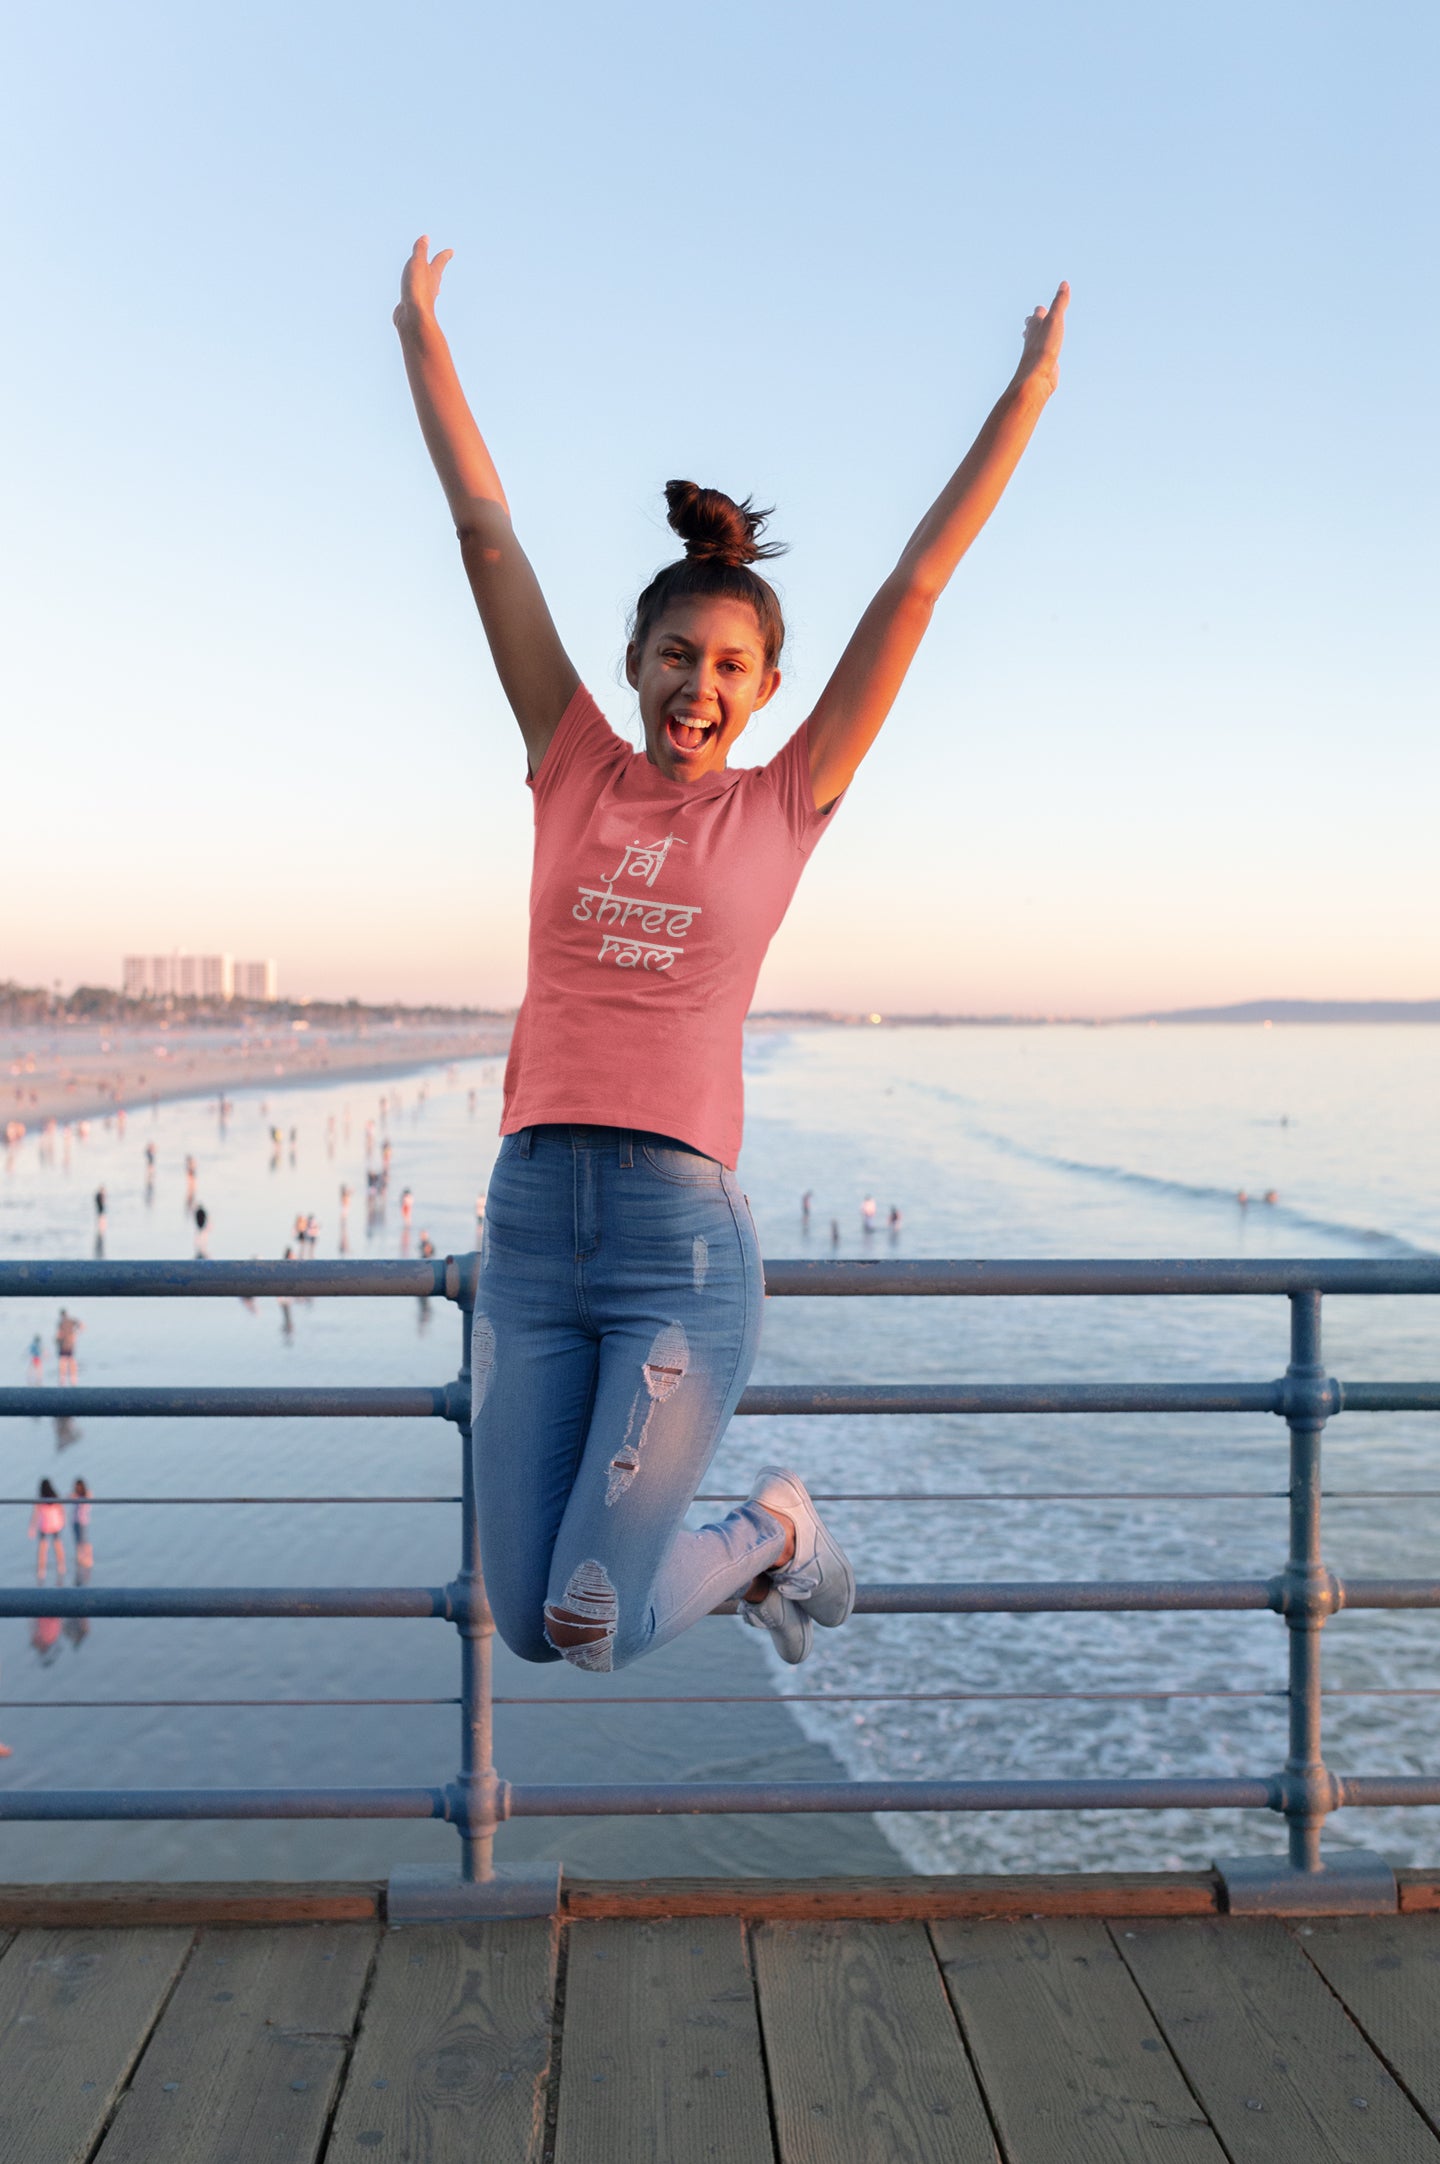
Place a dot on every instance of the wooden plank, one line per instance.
(104, 1905)
(660, 2058)
(101, 1905)
(1386, 1969)
(245, 2064)
(1419, 1891)
(865, 2059)
(1068, 2055)
(454, 2048)
(1097, 1893)
(75, 2010)
(1283, 2073)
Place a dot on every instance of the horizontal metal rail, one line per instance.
(725, 1698)
(394, 1601)
(1304, 1593)
(618, 1799)
(171, 1705)
(788, 1279)
(178, 1401)
(978, 1596)
(88, 1803)
(444, 1401)
(1218, 1277)
(605, 1799)
(817, 1495)
(361, 1280)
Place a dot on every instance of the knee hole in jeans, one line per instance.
(581, 1625)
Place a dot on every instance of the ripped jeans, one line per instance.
(616, 1324)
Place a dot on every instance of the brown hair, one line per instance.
(722, 540)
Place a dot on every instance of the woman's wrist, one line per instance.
(1028, 392)
(414, 322)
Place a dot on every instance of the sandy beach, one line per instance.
(72, 1070)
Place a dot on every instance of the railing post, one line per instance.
(479, 1783)
(1310, 1594)
(1353, 1881)
(418, 1894)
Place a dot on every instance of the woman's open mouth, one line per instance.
(689, 732)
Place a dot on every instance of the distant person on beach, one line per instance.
(36, 1358)
(67, 1329)
(202, 1230)
(80, 1526)
(47, 1530)
(620, 1302)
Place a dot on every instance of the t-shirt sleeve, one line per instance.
(583, 749)
(788, 774)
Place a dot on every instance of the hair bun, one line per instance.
(716, 529)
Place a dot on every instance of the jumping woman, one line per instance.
(618, 1313)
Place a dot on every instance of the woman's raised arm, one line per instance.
(872, 668)
(536, 673)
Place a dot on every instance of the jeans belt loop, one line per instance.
(627, 1149)
(527, 1137)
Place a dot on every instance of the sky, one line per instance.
(1172, 738)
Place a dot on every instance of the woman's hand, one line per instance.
(1039, 368)
(420, 282)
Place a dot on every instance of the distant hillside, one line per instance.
(1304, 1010)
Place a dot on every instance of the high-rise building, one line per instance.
(196, 976)
(179, 976)
(255, 980)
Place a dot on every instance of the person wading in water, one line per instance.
(618, 1311)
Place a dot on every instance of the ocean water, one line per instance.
(1030, 1142)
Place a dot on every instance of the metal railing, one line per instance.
(1304, 1592)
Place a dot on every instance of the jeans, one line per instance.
(616, 1324)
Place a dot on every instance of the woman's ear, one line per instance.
(632, 666)
(771, 686)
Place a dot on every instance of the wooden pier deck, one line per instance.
(1034, 2021)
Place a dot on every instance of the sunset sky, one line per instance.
(1173, 738)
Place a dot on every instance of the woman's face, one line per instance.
(700, 674)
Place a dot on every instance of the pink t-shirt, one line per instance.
(652, 903)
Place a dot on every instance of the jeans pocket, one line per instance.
(677, 1162)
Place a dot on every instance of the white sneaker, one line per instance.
(788, 1625)
(818, 1576)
